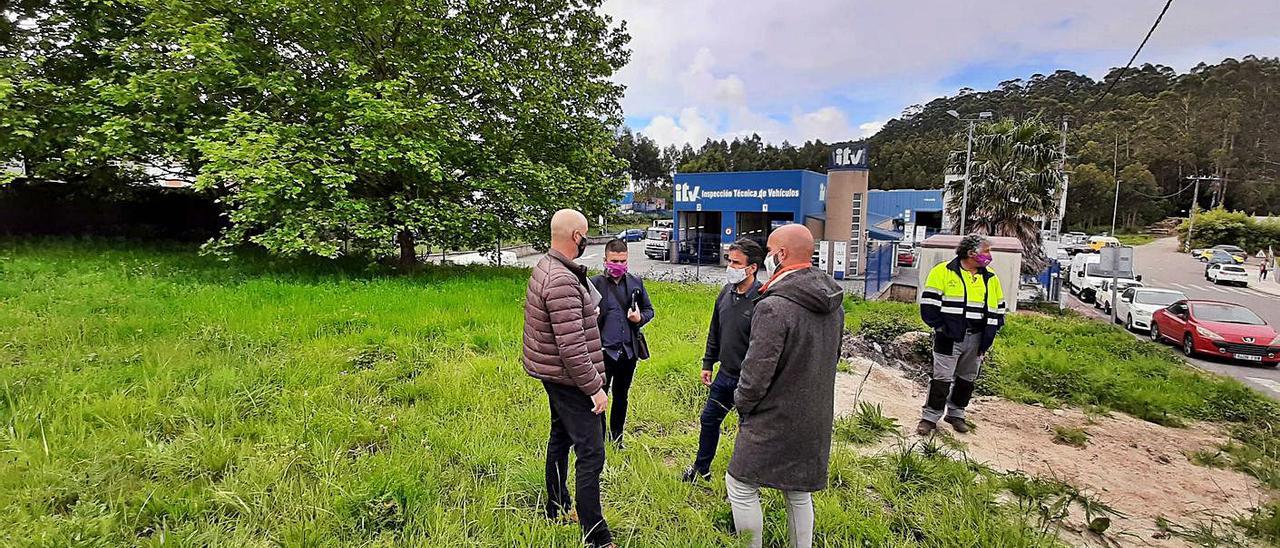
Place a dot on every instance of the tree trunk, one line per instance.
(408, 256)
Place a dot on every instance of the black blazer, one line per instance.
(634, 289)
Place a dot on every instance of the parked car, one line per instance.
(631, 235)
(906, 255)
(1227, 274)
(490, 258)
(1239, 255)
(1220, 329)
(1096, 243)
(1137, 304)
(1103, 299)
(1218, 256)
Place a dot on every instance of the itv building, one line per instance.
(712, 210)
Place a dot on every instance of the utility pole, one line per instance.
(1115, 174)
(1195, 199)
(1062, 204)
(968, 160)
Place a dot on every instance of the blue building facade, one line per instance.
(712, 210)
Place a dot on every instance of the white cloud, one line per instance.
(692, 127)
(721, 110)
(870, 128)
(827, 123)
(747, 65)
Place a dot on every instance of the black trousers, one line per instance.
(573, 425)
(719, 404)
(617, 382)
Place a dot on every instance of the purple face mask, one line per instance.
(615, 270)
(983, 259)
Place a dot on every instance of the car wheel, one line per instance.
(1188, 346)
(1155, 332)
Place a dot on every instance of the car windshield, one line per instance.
(1225, 313)
(1159, 298)
(1228, 248)
(1234, 269)
(655, 234)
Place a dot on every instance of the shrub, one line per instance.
(1070, 435)
(1222, 227)
(1263, 523)
(886, 328)
(868, 425)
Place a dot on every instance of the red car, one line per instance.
(1213, 328)
(906, 258)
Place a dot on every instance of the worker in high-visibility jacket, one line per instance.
(963, 303)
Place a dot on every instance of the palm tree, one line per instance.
(1014, 179)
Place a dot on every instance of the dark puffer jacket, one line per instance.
(561, 338)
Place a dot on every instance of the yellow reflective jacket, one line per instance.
(954, 302)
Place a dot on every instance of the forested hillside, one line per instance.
(1150, 126)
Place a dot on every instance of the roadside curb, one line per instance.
(1269, 287)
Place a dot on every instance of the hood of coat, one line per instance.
(810, 288)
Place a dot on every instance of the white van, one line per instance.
(1083, 281)
(657, 241)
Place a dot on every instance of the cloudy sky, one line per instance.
(836, 70)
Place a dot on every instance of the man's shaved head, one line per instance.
(796, 243)
(565, 223)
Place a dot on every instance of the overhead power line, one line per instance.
(1131, 59)
(1180, 191)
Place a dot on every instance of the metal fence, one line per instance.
(1050, 281)
(879, 273)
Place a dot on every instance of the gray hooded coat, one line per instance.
(787, 389)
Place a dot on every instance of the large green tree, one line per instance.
(371, 126)
(1013, 181)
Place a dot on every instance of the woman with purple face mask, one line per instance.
(624, 309)
(964, 304)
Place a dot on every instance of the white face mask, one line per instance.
(736, 276)
(771, 263)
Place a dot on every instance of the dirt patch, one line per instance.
(1139, 468)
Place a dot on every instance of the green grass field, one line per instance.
(151, 396)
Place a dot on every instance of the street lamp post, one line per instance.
(968, 161)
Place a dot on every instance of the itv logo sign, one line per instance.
(686, 193)
(848, 156)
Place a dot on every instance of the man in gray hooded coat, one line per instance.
(786, 391)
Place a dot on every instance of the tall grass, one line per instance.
(150, 396)
(1069, 359)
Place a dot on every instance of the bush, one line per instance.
(866, 426)
(1070, 435)
(1222, 227)
(885, 328)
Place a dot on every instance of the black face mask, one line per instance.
(582, 245)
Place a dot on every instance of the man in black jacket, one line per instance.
(727, 343)
(624, 309)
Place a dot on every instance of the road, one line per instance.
(650, 269)
(645, 267)
(1161, 265)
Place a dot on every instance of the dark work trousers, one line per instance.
(617, 381)
(573, 425)
(954, 375)
(719, 404)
